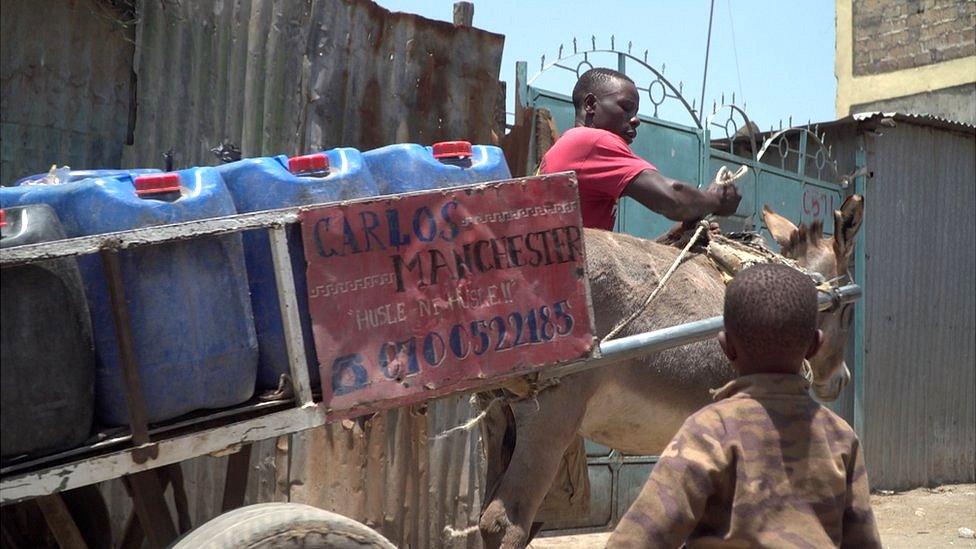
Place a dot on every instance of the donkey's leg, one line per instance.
(543, 432)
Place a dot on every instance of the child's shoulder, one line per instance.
(741, 409)
(834, 423)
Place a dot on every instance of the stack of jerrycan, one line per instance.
(269, 183)
(406, 167)
(190, 314)
(46, 357)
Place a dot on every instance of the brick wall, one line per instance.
(891, 35)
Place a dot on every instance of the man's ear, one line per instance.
(589, 103)
(815, 345)
(780, 227)
(727, 346)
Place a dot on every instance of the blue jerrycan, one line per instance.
(191, 318)
(268, 183)
(408, 167)
(47, 398)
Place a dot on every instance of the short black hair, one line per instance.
(592, 81)
(771, 310)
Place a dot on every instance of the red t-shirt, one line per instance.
(604, 165)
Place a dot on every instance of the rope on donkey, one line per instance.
(724, 177)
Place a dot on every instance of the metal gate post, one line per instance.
(860, 256)
(521, 87)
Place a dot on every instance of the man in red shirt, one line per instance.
(597, 150)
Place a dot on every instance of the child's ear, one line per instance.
(727, 347)
(818, 339)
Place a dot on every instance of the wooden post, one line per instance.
(59, 520)
(498, 114)
(516, 143)
(150, 508)
(282, 464)
(463, 14)
(235, 483)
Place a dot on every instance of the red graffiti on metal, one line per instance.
(418, 296)
(817, 203)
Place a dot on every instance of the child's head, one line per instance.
(770, 320)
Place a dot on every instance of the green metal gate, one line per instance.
(790, 169)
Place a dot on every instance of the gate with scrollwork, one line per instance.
(789, 169)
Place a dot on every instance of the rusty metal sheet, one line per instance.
(298, 77)
(423, 295)
(65, 93)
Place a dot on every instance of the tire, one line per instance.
(282, 525)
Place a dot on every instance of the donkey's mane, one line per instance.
(804, 234)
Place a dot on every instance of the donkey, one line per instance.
(636, 407)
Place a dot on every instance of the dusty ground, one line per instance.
(922, 518)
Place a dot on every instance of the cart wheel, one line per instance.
(282, 525)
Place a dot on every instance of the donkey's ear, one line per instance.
(847, 221)
(780, 227)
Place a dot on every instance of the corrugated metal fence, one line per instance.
(272, 77)
(65, 84)
(293, 77)
(920, 352)
(919, 407)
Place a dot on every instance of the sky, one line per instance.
(776, 57)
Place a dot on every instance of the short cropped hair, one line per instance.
(771, 310)
(593, 81)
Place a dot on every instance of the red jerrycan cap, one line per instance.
(452, 149)
(3, 218)
(308, 163)
(157, 183)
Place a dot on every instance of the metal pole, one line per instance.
(291, 321)
(708, 46)
(134, 399)
(625, 348)
(860, 268)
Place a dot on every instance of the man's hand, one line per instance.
(724, 191)
(726, 196)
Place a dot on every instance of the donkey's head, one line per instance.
(831, 258)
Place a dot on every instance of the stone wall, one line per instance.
(892, 35)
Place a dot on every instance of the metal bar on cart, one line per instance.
(624, 348)
(312, 415)
(31, 253)
(134, 399)
(291, 322)
(101, 468)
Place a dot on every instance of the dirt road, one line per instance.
(922, 518)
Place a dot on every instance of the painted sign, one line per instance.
(421, 295)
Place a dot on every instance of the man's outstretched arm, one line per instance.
(680, 201)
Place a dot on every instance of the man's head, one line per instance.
(608, 100)
(770, 320)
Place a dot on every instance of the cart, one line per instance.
(137, 456)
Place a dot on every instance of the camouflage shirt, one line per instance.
(765, 466)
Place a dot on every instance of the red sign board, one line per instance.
(421, 295)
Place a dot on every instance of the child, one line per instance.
(765, 465)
